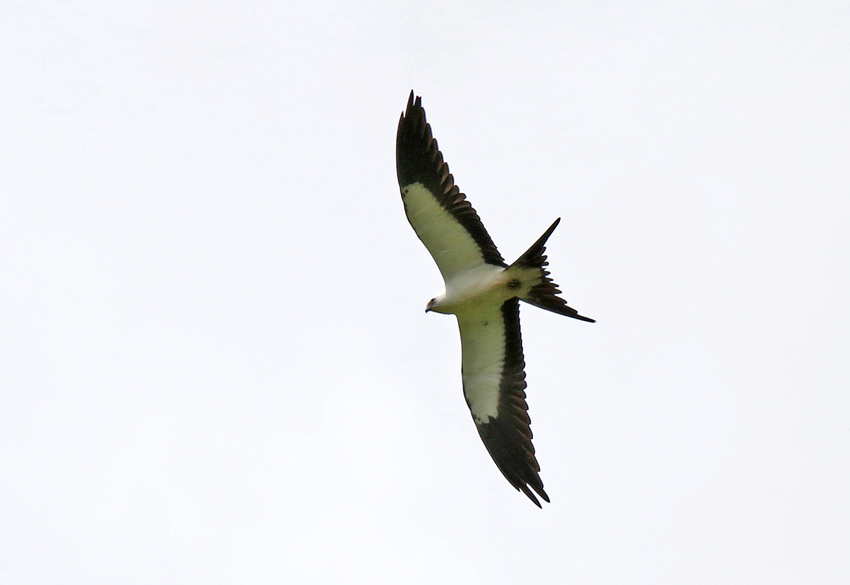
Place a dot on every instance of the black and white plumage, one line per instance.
(483, 292)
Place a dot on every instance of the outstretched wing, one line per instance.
(494, 387)
(439, 213)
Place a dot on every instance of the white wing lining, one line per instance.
(452, 247)
(482, 337)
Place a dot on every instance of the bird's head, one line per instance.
(437, 305)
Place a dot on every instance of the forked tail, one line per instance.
(545, 294)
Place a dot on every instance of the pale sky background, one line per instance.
(215, 365)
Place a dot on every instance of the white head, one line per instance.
(435, 304)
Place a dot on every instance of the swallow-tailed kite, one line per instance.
(483, 293)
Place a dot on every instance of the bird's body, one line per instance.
(483, 292)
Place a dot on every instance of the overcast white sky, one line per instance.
(215, 365)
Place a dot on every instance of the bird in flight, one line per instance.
(483, 292)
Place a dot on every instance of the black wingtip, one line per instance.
(515, 460)
(413, 102)
(533, 498)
